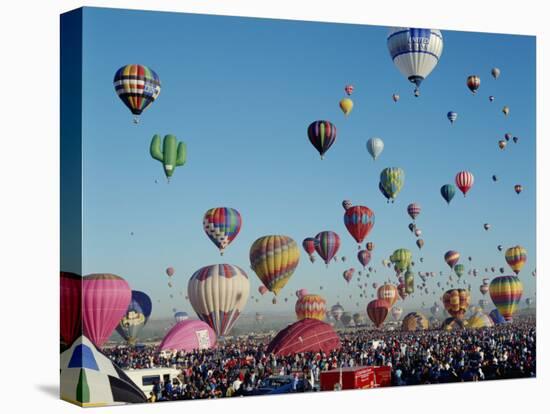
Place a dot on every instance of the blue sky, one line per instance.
(241, 93)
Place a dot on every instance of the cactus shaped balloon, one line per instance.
(171, 154)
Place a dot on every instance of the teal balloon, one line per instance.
(448, 192)
(171, 154)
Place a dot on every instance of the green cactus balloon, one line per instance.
(172, 154)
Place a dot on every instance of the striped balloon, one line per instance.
(274, 259)
(456, 302)
(378, 310)
(480, 320)
(218, 294)
(464, 181)
(473, 82)
(414, 321)
(311, 306)
(414, 210)
(506, 294)
(321, 134)
(222, 225)
(388, 292)
(451, 258)
(328, 244)
(309, 245)
(359, 221)
(452, 116)
(516, 257)
(392, 180)
(137, 86)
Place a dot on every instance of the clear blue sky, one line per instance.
(241, 93)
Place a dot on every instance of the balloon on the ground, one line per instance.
(136, 316)
(414, 321)
(307, 335)
(187, 336)
(181, 316)
(311, 306)
(337, 311)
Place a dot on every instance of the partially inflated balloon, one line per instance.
(218, 294)
(321, 134)
(222, 225)
(516, 257)
(414, 321)
(375, 146)
(274, 259)
(506, 292)
(359, 221)
(137, 86)
(328, 244)
(415, 52)
(392, 180)
(311, 306)
(105, 300)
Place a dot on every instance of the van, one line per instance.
(146, 378)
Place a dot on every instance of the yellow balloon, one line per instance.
(346, 105)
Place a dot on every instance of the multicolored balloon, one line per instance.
(218, 294)
(413, 210)
(328, 244)
(136, 317)
(311, 306)
(506, 292)
(359, 221)
(456, 302)
(414, 321)
(451, 258)
(388, 292)
(349, 89)
(516, 257)
(309, 246)
(137, 86)
(473, 82)
(222, 225)
(321, 134)
(274, 259)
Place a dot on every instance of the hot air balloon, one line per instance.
(181, 316)
(415, 52)
(375, 146)
(402, 290)
(321, 134)
(392, 180)
(502, 144)
(412, 226)
(218, 294)
(518, 188)
(349, 89)
(497, 318)
(263, 290)
(222, 225)
(491, 98)
(473, 82)
(70, 307)
(346, 204)
(483, 303)
(388, 292)
(395, 97)
(337, 311)
(346, 105)
(448, 192)
(301, 292)
(459, 270)
(171, 153)
(170, 271)
(370, 246)
(464, 181)
(516, 257)
(453, 324)
(435, 309)
(414, 321)
(274, 259)
(484, 288)
(456, 302)
(495, 72)
(401, 258)
(417, 232)
(396, 312)
(311, 306)
(452, 116)
(136, 317)
(358, 318)
(409, 281)
(378, 310)
(451, 258)
(328, 243)
(506, 110)
(420, 244)
(515, 139)
(189, 335)
(307, 335)
(309, 246)
(137, 86)
(105, 300)
(486, 226)
(359, 221)
(506, 292)
(413, 210)
(348, 274)
(364, 257)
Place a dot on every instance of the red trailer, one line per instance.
(356, 378)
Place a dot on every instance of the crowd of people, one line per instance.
(241, 367)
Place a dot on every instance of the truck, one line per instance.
(354, 378)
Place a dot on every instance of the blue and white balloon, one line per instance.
(375, 146)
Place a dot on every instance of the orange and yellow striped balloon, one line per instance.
(274, 259)
(456, 302)
(516, 257)
(311, 307)
(388, 292)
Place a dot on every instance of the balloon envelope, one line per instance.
(70, 307)
(307, 335)
(189, 335)
(136, 316)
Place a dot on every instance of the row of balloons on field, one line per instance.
(414, 51)
(98, 304)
